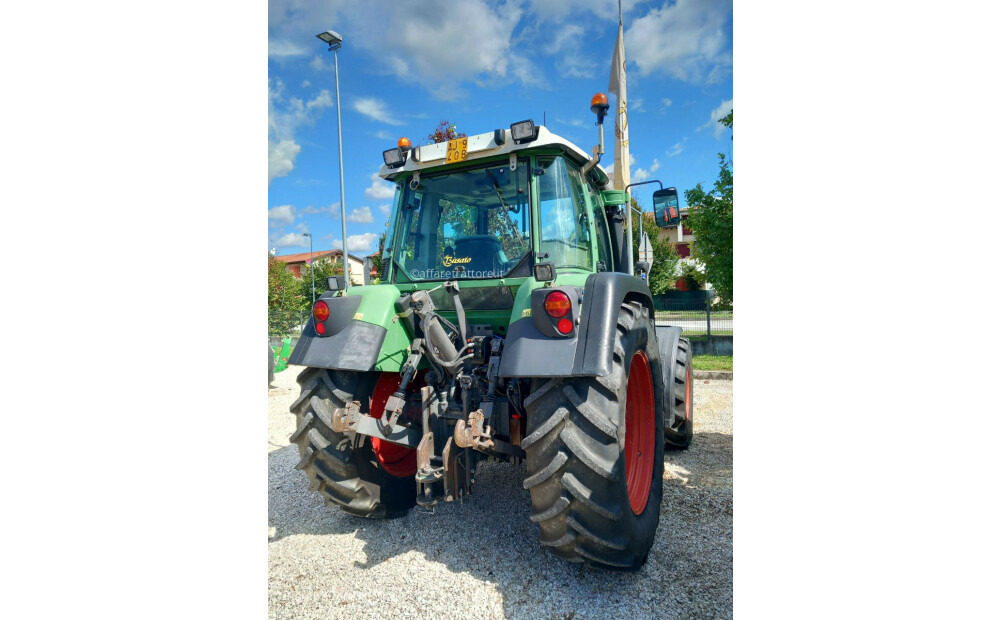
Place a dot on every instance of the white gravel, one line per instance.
(481, 559)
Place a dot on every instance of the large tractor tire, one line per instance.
(679, 426)
(594, 452)
(345, 470)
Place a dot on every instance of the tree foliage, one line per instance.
(711, 221)
(284, 298)
(324, 268)
(665, 257)
(445, 131)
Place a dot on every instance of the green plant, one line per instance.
(284, 298)
(665, 257)
(692, 276)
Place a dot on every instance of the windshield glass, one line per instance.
(467, 224)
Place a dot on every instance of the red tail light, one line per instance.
(557, 304)
(564, 326)
(321, 311)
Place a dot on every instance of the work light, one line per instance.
(524, 131)
(394, 158)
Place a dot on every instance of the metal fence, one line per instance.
(285, 323)
(695, 319)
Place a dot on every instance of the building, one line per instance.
(294, 263)
(677, 237)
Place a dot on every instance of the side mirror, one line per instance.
(666, 207)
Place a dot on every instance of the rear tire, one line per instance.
(679, 427)
(576, 453)
(342, 466)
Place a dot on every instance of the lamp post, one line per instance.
(312, 268)
(334, 40)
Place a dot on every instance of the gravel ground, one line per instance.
(481, 559)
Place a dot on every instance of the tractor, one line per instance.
(507, 327)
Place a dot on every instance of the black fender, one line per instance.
(586, 352)
(346, 344)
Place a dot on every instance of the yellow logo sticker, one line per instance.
(455, 260)
(525, 312)
(359, 316)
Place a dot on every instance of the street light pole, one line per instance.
(335, 41)
(312, 268)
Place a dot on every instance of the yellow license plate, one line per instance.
(458, 150)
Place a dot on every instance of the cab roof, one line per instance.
(481, 146)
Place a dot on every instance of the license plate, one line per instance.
(458, 150)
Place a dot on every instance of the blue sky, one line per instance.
(480, 64)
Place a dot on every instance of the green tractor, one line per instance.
(507, 326)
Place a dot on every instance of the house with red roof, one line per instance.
(295, 262)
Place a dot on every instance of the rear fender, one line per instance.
(528, 352)
(362, 333)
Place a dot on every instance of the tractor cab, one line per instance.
(492, 206)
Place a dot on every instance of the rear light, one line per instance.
(321, 311)
(557, 305)
(564, 326)
(320, 328)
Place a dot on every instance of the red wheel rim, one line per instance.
(640, 428)
(394, 458)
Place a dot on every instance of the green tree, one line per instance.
(284, 298)
(665, 257)
(711, 221)
(377, 258)
(324, 268)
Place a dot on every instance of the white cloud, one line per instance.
(636, 105)
(284, 117)
(379, 189)
(277, 216)
(357, 243)
(334, 210)
(384, 209)
(666, 104)
(305, 84)
(292, 24)
(361, 215)
(281, 156)
(556, 10)
(713, 119)
(317, 64)
(686, 40)
(439, 44)
(375, 109)
(383, 135)
(284, 49)
(642, 174)
(676, 149)
(291, 240)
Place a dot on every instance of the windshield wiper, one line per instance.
(496, 186)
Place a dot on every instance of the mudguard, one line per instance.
(362, 333)
(586, 352)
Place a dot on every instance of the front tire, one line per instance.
(594, 453)
(342, 467)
